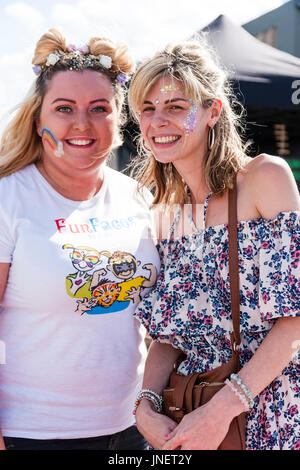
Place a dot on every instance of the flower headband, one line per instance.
(78, 59)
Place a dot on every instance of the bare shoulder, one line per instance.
(272, 164)
(271, 185)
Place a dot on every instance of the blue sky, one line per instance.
(144, 25)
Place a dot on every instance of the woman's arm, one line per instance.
(206, 427)
(272, 189)
(4, 269)
(159, 365)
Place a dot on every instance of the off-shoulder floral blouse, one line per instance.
(190, 308)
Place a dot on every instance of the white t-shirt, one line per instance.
(74, 354)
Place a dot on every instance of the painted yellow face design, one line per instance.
(106, 294)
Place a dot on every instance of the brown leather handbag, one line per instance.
(185, 393)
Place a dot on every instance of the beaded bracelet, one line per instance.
(238, 394)
(154, 394)
(157, 405)
(246, 391)
(150, 395)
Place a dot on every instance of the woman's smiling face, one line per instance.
(79, 110)
(173, 126)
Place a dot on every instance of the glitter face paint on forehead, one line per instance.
(191, 119)
(168, 88)
(56, 145)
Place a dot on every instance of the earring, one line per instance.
(211, 138)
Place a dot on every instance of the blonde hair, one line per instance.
(194, 64)
(20, 144)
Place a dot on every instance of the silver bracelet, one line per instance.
(152, 396)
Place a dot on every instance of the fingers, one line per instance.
(155, 429)
(172, 437)
(169, 436)
(172, 443)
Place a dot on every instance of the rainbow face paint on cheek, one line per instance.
(191, 119)
(56, 145)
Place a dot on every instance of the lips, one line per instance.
(80, 142)
(166, 139)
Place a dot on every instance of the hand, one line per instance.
(84, 305)
(202, 429)
(148, 266)
(154, 426)
(134, 294)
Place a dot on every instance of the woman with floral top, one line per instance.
(192, 154)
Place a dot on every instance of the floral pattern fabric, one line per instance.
(190, 308)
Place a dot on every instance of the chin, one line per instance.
(164, 159)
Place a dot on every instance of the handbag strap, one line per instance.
(234, 263)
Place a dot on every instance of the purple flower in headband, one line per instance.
(37, 69)
(71, 48)
(84, 49)
(122, 78)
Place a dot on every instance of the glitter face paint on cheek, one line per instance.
(191, 119)
(56, 145)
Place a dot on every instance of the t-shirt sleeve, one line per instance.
(6, 239)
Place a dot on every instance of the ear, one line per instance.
(215, 112)
(38, 127)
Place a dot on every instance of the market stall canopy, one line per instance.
(266, 77)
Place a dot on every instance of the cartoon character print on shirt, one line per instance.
(96, 293)
(84, 259)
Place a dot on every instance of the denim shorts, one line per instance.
(129, 439)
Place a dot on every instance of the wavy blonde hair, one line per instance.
(195, 65)
(20, 144)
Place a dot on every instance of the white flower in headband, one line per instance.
(52, 59)
(105, 61)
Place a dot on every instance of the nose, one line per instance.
(159, 120)
(81, 121)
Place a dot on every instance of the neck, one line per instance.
(72, 187)
(195, 180)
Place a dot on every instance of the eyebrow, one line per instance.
(168, 101)
(72, 101)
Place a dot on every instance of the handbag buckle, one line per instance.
(210, 384)
(175, 408)
(204, 384)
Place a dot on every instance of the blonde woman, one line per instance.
(74, 352)
(191, 152)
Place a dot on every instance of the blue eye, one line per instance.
(175, 107)
(99, 109)
(149, 108)
(64, 109)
